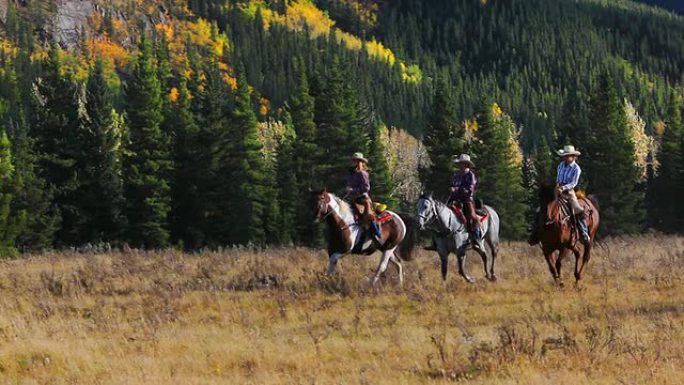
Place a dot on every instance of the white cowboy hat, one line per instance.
(359, 156)
(569, 150)
(463, 158)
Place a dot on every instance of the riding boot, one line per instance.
(534, 236)
(584, 229)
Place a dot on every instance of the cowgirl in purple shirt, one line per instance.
(358, 189)
(463, 185)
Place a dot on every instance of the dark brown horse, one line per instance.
(346, 236)
(558, 231)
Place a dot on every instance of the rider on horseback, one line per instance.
(358, 187)
(462, 188)
(566, 181)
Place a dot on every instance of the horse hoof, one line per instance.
(492, 278)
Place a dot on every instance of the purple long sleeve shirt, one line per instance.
(464, 183)
(358, 182)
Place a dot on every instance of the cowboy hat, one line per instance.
(359, 156)
(569, 150)
(463, 158)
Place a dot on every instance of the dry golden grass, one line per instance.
(273, 318)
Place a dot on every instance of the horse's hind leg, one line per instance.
(494, 248)
(400, 269)
(483, 255)
(384, 260)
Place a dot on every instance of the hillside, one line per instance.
(167, 121)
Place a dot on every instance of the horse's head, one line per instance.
(547, 194)
(320, 204)
(426, 210)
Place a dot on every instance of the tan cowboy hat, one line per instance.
(569, 150)
(359, 156)
(463, 158)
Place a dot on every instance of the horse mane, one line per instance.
(547, 193)
(345, 208)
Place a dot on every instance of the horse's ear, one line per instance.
(422, 195)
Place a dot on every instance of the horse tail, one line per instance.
(411, 239)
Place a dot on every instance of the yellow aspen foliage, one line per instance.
(264, 106)
(7, 48)
(644, 145)
(470, 127)
(230, 80)
(107, 50)
(376, 48)
(302, 13)
(270, 134)
(496, 110)
(173, 95)
(659, 127)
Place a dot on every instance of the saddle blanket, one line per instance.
(482, 214)
(384, 217)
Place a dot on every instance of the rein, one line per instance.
(435, 216)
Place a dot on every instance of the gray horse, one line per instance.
(451, 236)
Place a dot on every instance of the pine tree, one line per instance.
(339, 132)
(100, 191)
(56, 123)
(248, 180)
(31, 196)
(443, 139)
(11, 223)
(668, 185)
(187, 214)
(215, 145)
(304, 150)
(148, 165)
(609, 162)
(498, 169)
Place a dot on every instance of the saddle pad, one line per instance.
(481, 214)
(384, 217)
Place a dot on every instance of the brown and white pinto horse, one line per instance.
(345, 235)
(557, 231)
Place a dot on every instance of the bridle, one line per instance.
(435, 216)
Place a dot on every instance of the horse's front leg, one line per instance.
(551, 261)
(461, 255)
(384, 260)
(444, 258)
(332, 262)
(580, 261)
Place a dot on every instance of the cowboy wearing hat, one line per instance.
(462, 188)
(566, 181)
(358, 188)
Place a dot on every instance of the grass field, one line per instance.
(272, 317)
